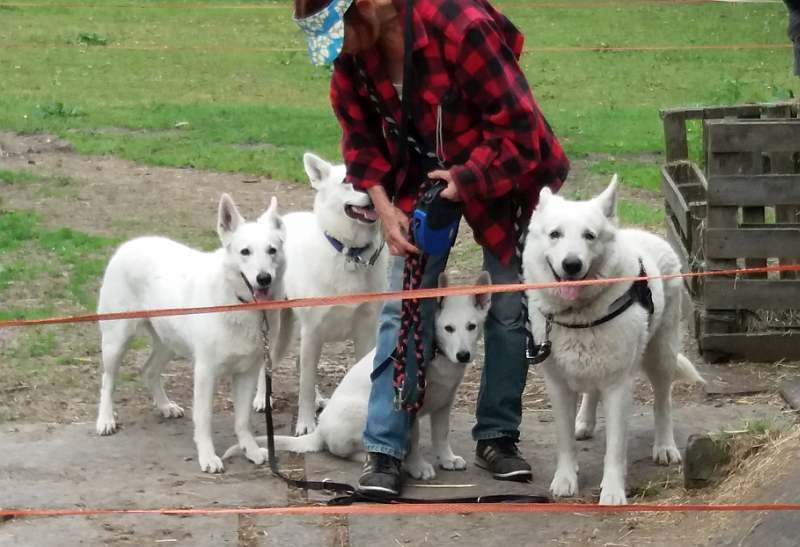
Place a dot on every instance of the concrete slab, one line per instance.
(538, 446)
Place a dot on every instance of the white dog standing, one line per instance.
(155, 272)
(602, 334)
(336, 249)
(459, 324)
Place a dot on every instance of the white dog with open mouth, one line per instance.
(459, 324)
(336, 249)
(602, 334)
(155, 272)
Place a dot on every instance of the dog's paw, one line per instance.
(613, 495)
(304, 427)
(564, 484)
(260, 403)
(665, 454)
(420, 469)
(171, 410)
(258, 456)
(453, 463)
(583, 430)
(106, 426)
(211, 463)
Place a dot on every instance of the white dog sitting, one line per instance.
(154, 272)
(336, 249)
(602, 334)
(459, 323)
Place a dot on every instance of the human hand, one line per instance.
(451, 192)
(394, 223)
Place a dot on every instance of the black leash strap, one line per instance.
(349, 493)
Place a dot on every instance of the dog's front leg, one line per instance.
(204, 382)
(415, 464)
(310, 350)
(564, 400)
(617, 405)
(587, 415)
(243, 387)
(440, 431)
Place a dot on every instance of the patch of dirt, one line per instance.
(115, 197)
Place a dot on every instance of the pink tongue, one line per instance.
(570, 292)
(368, 214)
(262, 294)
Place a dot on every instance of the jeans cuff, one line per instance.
(489, 435)
(400, 455)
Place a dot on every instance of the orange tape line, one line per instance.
(357, 298)
(410, 509)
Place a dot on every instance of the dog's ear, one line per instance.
(317, 169)
(228, 218)
(607, 200)
(443, 282)
(483, 300)
(271, 216)
(544, 196)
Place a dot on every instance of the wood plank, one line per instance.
(676, 204)
(679, 246)
(751, 294)
(729, 243)
(730, 136)
(758, 347)
(675, 140)
(745, 190)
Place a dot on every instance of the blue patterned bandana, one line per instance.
(325, 31)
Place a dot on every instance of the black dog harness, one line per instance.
(638, 293)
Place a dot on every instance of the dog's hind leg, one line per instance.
(587, 415)
(243, 384)
(665, 451)
(152, 369)
(115, 335)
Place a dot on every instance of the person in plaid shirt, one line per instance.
(475, 125)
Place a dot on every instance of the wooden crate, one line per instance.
(752, 219)
(684, 187)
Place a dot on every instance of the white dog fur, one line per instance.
(459, 323)
(603, 361)
(316, 268)
(155, 272)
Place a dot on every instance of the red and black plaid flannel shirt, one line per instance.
(467, 78)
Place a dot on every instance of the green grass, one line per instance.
(254, 109)
(633, 213)
(79, 257)
(632, 173)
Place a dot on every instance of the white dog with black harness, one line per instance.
(599, 336)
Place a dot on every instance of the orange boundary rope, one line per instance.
(357, 298)
(410, 509)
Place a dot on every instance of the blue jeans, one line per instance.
(499, 408)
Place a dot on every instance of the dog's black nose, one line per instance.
(572, 265)
(264, 279)
(463, 356)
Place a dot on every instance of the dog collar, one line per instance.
(353, 254)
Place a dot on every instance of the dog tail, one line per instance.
(687, 372)
(312, 442)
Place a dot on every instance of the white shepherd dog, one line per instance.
(459, 324)
(602, 335)
(155, 272)
(336, 249)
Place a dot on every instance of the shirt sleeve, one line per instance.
(490, 77)
(364, 155)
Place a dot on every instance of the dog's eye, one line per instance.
(555, 234)
(449, 328)
(245, 252)
(272, 251)
(589, 236)
(471, 326)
